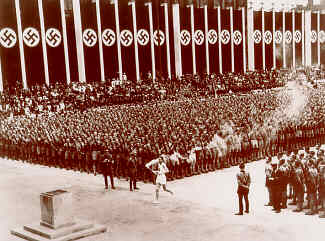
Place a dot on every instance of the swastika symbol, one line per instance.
(89, 37)
(288, 36)
(212, 36)
(185, 37)
(31, 37)
(8, 38)
(257, 36)
(158, 37)
(143, 37)
(53, 37)
(321, 36)
(108, 37)
(297, 36)
(225, 36)
(199, 37)
(268, 37)
(278, 37)
(313, 36)
(237, 38)
(126, 38)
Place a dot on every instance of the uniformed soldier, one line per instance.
(312, 186)
(244, 181)
(275, 181)
(107, 168)
(321, 188)
(268, 172)
(299, 185)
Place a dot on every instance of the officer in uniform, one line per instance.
(312, 186)
(275, 181)
(244, 181)
(299, 185)
(107, 168)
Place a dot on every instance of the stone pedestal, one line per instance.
(57, 221)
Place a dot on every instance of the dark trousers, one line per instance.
(106, 181)
(242, 195)
(133, 182)
(277, 196)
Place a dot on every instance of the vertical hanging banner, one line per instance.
(161, 38)
(127, 39)
(268, 39)
(9, 52)
(238, 40)
(54, 41)
(90, 40)
(313, 38)
(297, 36)
(258, 40)
(109, 39)
(288, 39)
(321, 36)
(278, 39)
(199, 39)
(143, 37)
(212, 39)
(186, 39)
(225, 37)
(30, 21)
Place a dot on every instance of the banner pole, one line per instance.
(167, 39)
(100, 43)
(219, 40)
(65, 43)
(273, 42)
(193, 38)
(149, 5)
(293, 40)
(263, 39)
(284, 39)
(232, 39)
(244, 39)
(318, 42)
(206, 28)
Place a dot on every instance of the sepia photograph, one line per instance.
(162, 120)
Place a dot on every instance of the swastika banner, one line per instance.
(314, 38)
(225, 36)
(90, 40)
(278, 38)
(238, 41)
(213, 40)
(9, 45)
(258, 40)
(32, 43)
(127, 39)
(144, 39)
(288, 38)
(54, 41)
(321, 36)
(268, 39)
(109, 39)
(186, 39)
(199, 38)
(298, 38)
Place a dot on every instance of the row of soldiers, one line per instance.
(301, 173)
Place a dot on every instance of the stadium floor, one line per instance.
(201, 209)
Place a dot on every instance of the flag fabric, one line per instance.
(238, 40)
(199, 39)
(258, 38)
(225, 36)
(213, 40)
(54, 41)
(278, 37)
(127, 39)
(186, 39)
(321, 36)
(268, 39)
(34, 63)
(109, 39)
(298, 38)
(313, 38)
(9, 45)
(288, 38)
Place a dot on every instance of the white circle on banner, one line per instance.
(313, 36)
(321, 36)
(267, 37)
(237, 37)
(185, 37)
(297, 36)
(31, 37)
(212, 36)
(126, 37)
(199, 37)
(257, 35)
(8, 38)
(108, 37)
(225, 36)
(158, 37)
(53, 37)
(278, 37)
(288, 36)
(89, 37)
(143, 37)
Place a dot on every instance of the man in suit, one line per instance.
(132, 170)
(244, 181)
(107, 164)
